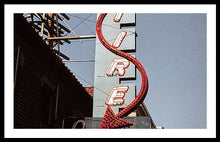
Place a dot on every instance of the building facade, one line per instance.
(45, 91)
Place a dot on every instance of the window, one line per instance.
(48, 104)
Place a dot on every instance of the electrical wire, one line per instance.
(96, 21)
(86, 19)
(104, 93)
(77, 35)
(82, 21)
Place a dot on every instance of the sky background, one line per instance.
(171, 48)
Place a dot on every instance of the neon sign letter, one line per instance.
(119, 64)
(117, 17)
(116, 95)
(119, 39)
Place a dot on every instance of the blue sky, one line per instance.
(172, 49)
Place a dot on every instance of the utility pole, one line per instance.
(52, 31)
(49, 43)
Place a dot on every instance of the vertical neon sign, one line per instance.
(119, 93)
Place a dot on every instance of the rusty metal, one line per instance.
(49, 43)
(61, 26)
(42, 25)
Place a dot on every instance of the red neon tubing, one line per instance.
(144, 84)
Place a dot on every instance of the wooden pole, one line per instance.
(71, 37)
(49, 34)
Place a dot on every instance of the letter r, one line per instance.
(119, 65)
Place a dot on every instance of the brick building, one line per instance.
(45, 91)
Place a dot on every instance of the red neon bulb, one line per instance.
(144, 84)
(110, 120)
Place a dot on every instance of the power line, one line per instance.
(96, 21)
(104, 93)
(81, 21)
(86, 19)
(77, 35)
(79, 61)
(71, 29)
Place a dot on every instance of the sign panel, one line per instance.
(111, 68)
(113, 115)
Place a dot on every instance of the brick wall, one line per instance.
(45, 90)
